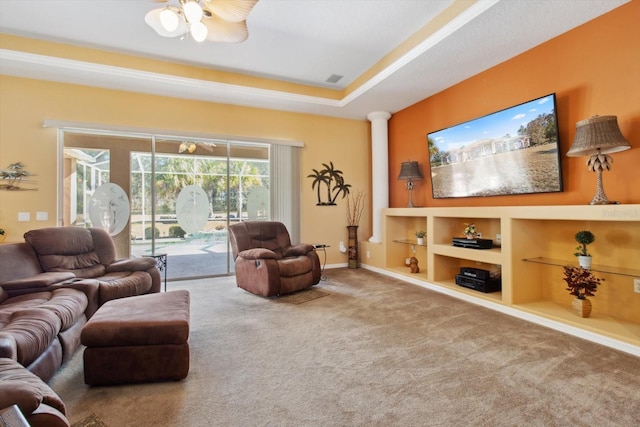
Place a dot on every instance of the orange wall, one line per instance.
(593, 69)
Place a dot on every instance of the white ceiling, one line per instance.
(299, 41)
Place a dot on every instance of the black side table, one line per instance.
(161, 263)
(323, 248)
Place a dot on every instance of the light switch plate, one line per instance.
(24, 216)
(42, 216)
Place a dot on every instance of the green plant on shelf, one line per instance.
(584, 238)
(420, 234)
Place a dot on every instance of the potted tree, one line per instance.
(581, 283)
(584, 238)
(420, 236)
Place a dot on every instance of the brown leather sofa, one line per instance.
(52, 283)
(267, 264)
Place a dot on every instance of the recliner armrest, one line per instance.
(132, 264)
(258, 253)
(297, 250)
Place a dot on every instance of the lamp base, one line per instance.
(600, 198)
(607, 202)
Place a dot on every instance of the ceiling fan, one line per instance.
(213, 20)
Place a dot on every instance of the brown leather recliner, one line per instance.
(267, 264)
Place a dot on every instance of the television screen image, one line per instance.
(512, 151)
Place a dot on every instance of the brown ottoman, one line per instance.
(138, 339)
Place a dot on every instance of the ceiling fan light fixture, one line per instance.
(192, 11)
(212, 20)
(198, 31)
(169, 19)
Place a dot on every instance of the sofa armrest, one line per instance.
(258, 253)
(20, 393)
(41, 280)
(297, 250)
(131, 264)
(47, 416)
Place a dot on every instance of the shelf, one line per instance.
(489, 256)
(405, 271)
(451, 284)
(529, 289)
(599, 268)
(605, 325)
(409, 242)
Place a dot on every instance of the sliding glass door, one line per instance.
(182, 194)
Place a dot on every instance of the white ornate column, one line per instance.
(379, 170)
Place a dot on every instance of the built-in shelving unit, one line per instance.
(533, 243)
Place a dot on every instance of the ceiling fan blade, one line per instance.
(230, 10)
(220, 30)
(153, 20)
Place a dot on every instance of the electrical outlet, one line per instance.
(636, 286)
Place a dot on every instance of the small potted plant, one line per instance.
(470, 231)
(2, 234)
(584, 238)
(581, 283)
(420, 236)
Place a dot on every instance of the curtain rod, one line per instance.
(159, 133)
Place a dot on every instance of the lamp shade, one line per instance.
(597, 133)
(410, 171)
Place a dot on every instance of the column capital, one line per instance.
(378, 115)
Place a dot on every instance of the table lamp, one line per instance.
(597, 137)
(410, 171)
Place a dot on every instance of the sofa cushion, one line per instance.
(30, 330)
(20, 382)
(67, 304)
(66, 249)
(123, 284)
(295, 266)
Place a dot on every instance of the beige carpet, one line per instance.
(374, 352)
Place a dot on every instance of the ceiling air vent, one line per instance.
(334, 78)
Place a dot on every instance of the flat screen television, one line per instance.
(511, 151)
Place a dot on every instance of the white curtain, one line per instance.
(284, 161)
